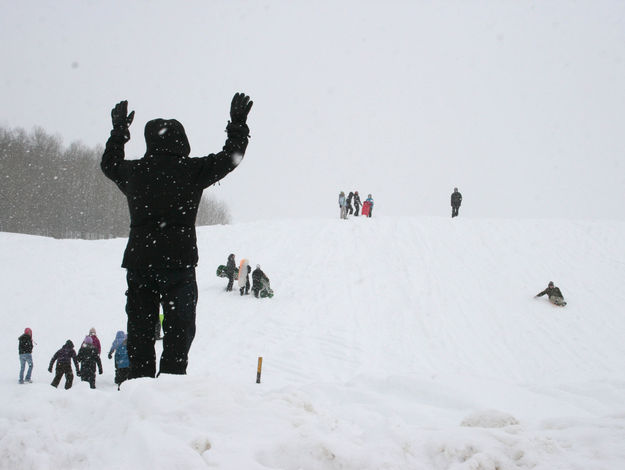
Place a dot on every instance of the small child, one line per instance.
(64, 357)
(25, 349)
(88, 358)
(122, 364)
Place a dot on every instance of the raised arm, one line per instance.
(113, 157)
(214, 167)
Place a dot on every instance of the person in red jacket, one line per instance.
(94, 340)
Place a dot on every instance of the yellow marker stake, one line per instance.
(260, 366)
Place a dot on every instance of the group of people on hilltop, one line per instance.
(85, 361)
(346, 208)
(260, 280)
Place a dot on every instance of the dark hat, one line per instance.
(69, 343)
(550, 284)
(166, 136)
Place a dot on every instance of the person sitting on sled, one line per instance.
(554, 294)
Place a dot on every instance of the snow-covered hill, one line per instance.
(395, 343)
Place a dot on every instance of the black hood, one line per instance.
(166, 136)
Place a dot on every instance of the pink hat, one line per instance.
(28, 332)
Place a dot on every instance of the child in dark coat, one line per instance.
(122, 364)
(88, 358)
(63, 358)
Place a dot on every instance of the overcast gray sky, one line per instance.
(519, 104)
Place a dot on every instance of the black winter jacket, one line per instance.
(25, 345)
(257, 277)
(551, 292)
(456, 199)
(64, 356)
(164, 189)
(88, 358)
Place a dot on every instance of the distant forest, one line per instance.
(59, 192)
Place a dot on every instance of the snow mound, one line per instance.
(489, 419)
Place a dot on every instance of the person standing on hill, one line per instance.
(357, 203)
(554, 294)
(64, 358)
(25, 349)
(369, 202)
(164, 189)
(456, 200)
(350, 209)
(231, 268)
(343, 205)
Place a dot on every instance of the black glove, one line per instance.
(77, 372)
(100, 371)
(240, 107)
(121, 118)
(50, 369)
(110, 355)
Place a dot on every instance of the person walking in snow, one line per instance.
(122, 364)
(164, 189)
(350, 209)
(456, 200)
(95, 340)
(258, 279)
(88, 358)
(231, 269)
(25, 350)
(343, 205)
(554, 294)
(357, 203)
(64, 358)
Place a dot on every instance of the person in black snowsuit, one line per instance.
(258, 277)
(357, 203)
(554, 294)
(350, 209)
(231, 268)
(456, 200)
(88, 358)
(164, 189)
(246, 290)
(64, 358)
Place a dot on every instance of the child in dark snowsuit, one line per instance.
(231, 268)
(63, 358)
(88, 358)
(122, 364)
(258, 278)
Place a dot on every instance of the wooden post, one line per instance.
(260, 366)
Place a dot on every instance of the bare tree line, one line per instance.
(49, 190)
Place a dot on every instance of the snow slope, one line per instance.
(395, 343)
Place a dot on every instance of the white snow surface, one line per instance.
(391, 343)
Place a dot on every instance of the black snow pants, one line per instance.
(176, 291)
(454, 210)
(63, 369)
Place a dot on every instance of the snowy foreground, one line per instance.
(391, 343)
